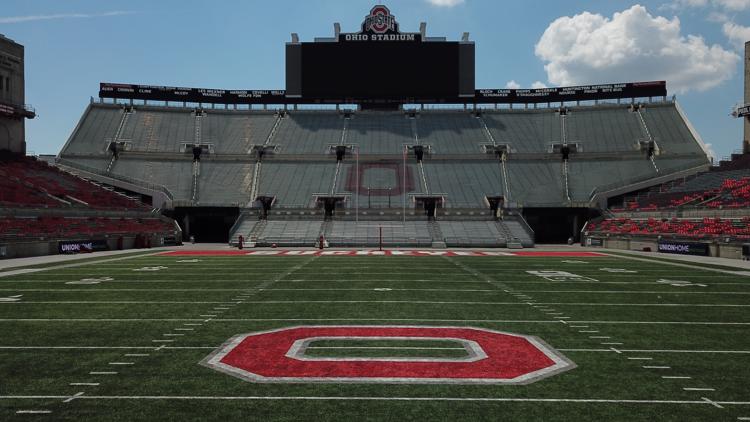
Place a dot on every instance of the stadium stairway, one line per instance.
(519, 232)
(438, 240)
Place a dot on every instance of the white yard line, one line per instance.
(712, 403)
(372, 398)
(581, 350)
(73, 397)
(375, 319)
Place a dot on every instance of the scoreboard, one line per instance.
(383, 70)
(380, 63)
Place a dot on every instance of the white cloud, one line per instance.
(717, 17)
(31, 18)
(512, 85)
(538, 85)
(445, 3)
(633, 45)
(737, 34)
(735, 5)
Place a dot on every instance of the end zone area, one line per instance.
(124, 340)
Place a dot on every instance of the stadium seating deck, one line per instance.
(28, 182)
(67, 228)
(705, 228)
(455, 136)
(710, 190)
(473, 233)
(308, 132)
(380, 133)
(289, 233)
(394, 233)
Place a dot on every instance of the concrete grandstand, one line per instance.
(470, 157)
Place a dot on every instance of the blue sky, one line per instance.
(73, 45)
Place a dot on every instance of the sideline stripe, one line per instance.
(362, 398)
(520, 321)
(33, 412)
(423, 302)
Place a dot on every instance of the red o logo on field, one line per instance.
(490, 357)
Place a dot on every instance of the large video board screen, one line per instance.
(385, 70)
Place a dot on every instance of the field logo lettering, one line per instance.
(487, 356)
(552, 275)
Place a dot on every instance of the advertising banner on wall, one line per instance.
(84, 246)
(594, 241)
(684, 248)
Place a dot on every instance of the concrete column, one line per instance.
(186, 222)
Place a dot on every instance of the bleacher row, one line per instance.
(706, 228)
(708, 190)
(605, 128)
(27, 182)
(41, 203)
(73, 228)
(391, 233)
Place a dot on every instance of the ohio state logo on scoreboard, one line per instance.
(380, 25)
(334, 354)
(380, 21)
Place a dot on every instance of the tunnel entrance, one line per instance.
(556, 225)
(206, 224)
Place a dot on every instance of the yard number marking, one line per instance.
(552, 275)
(617, 270)
(88, 281)
(679, 283)
(159, 268)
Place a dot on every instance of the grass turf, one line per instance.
(59, 333)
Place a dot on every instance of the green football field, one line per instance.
(124, 339)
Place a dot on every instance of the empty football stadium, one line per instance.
(414, 249)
